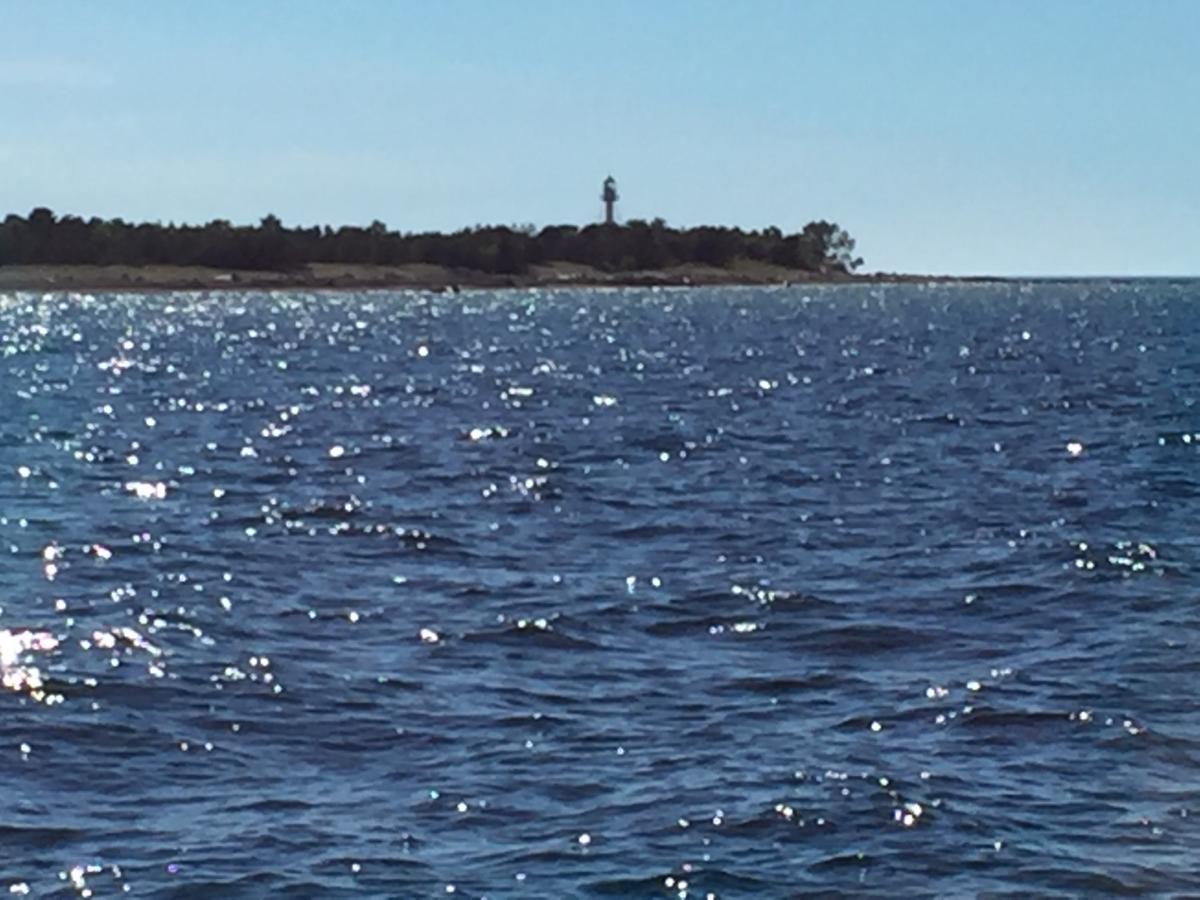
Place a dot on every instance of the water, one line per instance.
(749, 593)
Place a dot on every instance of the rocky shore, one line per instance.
(325, 276)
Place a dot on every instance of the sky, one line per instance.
(1023, 137)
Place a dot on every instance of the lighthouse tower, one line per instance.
(610, 198)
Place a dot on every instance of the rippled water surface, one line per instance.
(733, 593)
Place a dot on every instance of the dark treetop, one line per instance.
(42, 238)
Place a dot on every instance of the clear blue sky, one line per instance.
(1014, 137)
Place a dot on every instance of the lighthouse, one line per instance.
(610, 198)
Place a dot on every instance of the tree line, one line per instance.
(46, 239)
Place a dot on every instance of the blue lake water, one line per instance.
(865, 590)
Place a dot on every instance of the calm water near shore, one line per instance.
(869, 590)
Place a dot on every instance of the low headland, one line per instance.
(45, 252)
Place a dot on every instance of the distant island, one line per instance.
(46, 251)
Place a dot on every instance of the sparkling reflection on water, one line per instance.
(741, 593)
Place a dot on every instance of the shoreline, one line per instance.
(424, 277)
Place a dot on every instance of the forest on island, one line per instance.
(42, 238)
